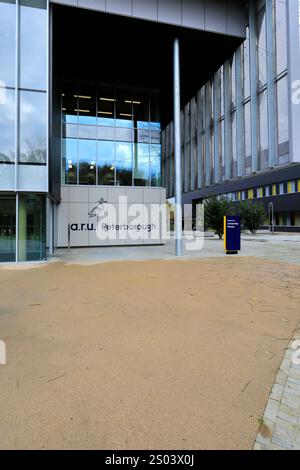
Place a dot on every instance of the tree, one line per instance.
(253, 215)
(214, 211)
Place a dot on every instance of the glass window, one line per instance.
(124, 163)
(106, 162)
(33, 127)
(124, 109)
(233, 85)
(70, 108)
(7, 228)
(141, 165)
(263, 131)
(106, 107)
(155, 165)
(33, 44)
(70, 130)
(69, 161)
(247, 117)
(154, 109)
(87, 155)
(7, 125)
(140, 106)
(282, 110)
(281, 36)
(32, 227)
(262, 47)
(142, 135)
(222, 148)
(116, 119)
(124, 134)
(246, 65)
(87, 132)
(106, 133)
(7, 42)
(234, 150)
(87, 107)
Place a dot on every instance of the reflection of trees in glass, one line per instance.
(106, 175)
(35, 151)
(124, 177)
(87, 173)
(7, 157)
(155, 165)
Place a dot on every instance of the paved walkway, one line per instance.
(280, 426)
(278, 247)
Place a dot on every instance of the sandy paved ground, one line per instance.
(139, 355)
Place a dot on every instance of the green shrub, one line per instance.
(253, 215)
(214, 211)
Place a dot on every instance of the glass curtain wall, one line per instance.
(7, 228)
(31, 227)
(23, 124)
(110, 137)
(7, 93)
(233, 142)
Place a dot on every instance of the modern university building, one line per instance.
(89, 94)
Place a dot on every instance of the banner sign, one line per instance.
(232, 234)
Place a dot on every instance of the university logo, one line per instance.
(2, 353)
(98, 209)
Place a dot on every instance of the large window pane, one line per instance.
(32, 227)
(124, 109)
(262, 47)
(87, 106)
(234, 148)
(263, 131)
(246, 65)
(33, 44)
(106, 162)
(248, 159)
(87, 151)
(281, 36)
(142, 165)
(7, 42)
(140, 104)
(69, 107)
(7, 126)
(7, 228)
(69, 161)
(123, 164)
(282, 119)
(33, 127)
(106, 106)
(155, 165)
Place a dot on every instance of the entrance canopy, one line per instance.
(97, 47)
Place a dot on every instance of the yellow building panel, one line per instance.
(250, 193)
(274, 190)
(289, 187)
(298, 186)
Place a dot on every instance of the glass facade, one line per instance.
(250, 107)
(23, 128)
(7, 228)
(22, 227)
(23, 85)
(31, 227)
(111, 137)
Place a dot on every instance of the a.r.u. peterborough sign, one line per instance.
(124, 220)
